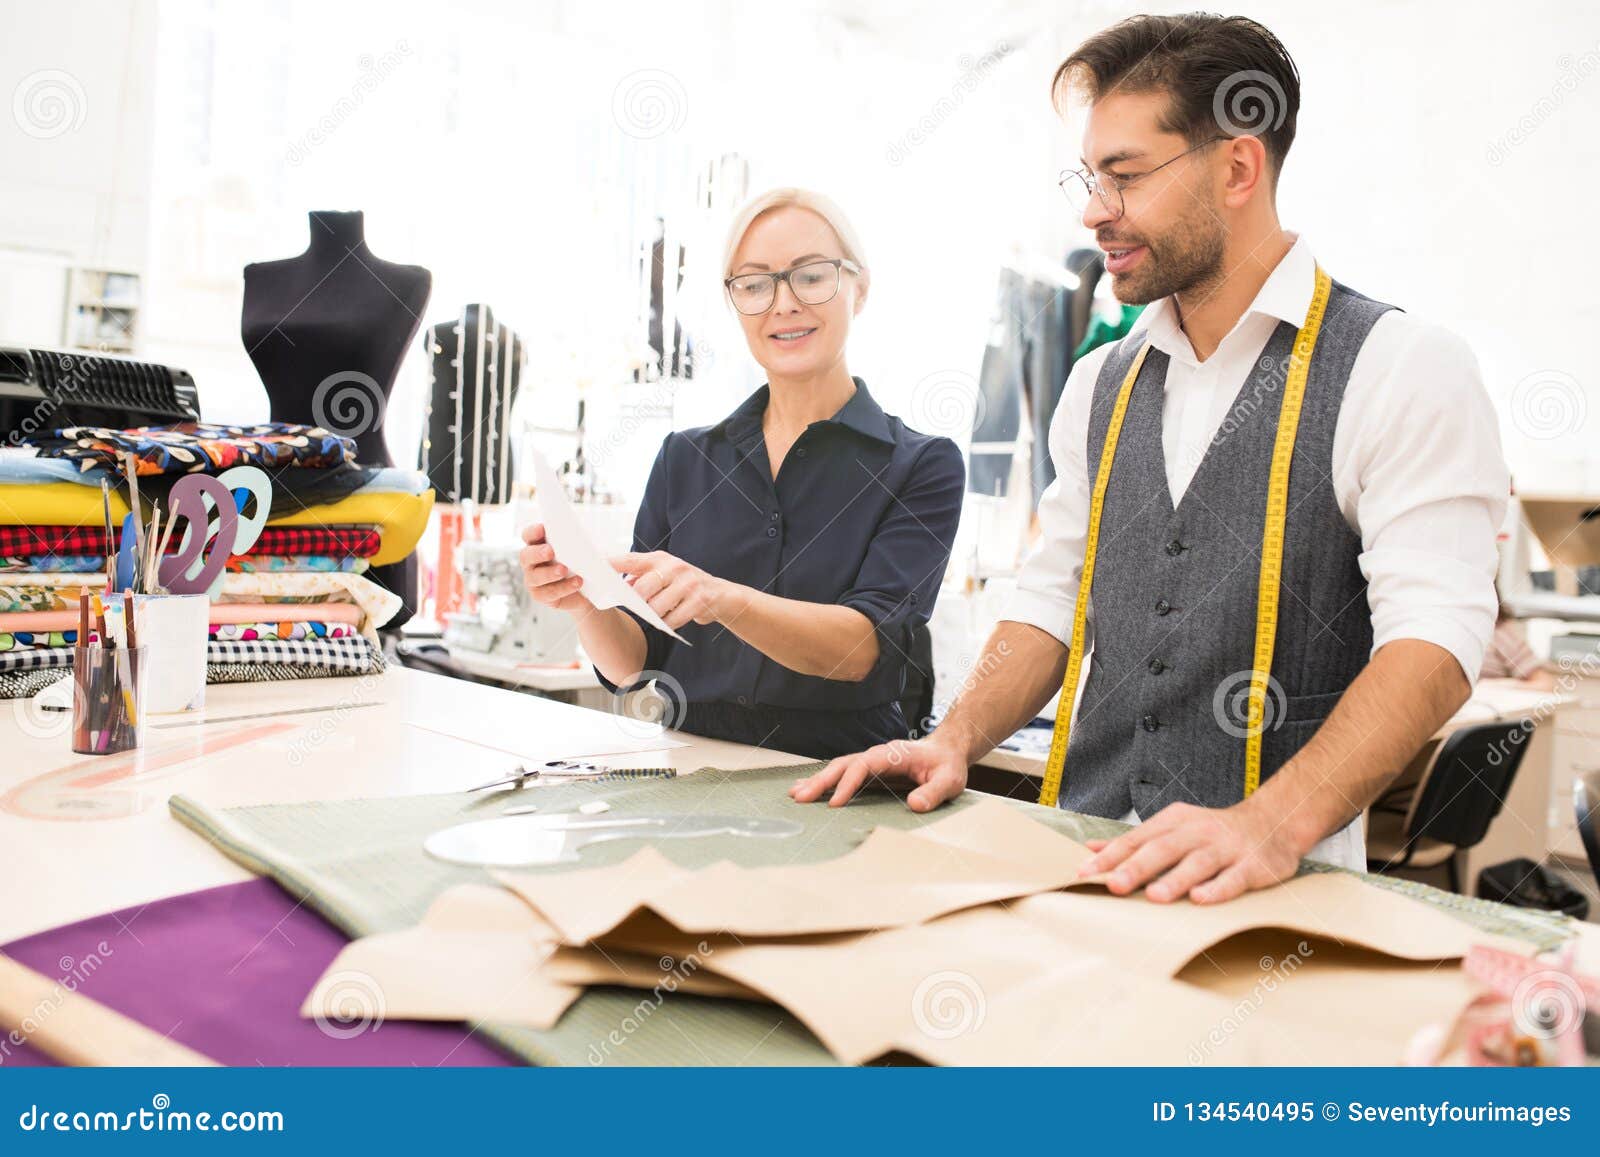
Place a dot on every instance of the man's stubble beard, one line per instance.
(1186, 260)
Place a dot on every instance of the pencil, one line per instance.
(132, 633)
(150, 557)
(111, 545)
(131, 465)
(82, 736)
(161, 551)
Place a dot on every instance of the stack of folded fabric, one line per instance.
(296, 606)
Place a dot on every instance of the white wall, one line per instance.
(77, 79)
(1445, 162)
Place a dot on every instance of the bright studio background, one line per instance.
(1446, 161)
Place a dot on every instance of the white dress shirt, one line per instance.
(1418, 471)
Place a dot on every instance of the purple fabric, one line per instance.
(224, 971)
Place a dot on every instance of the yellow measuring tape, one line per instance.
(1271, 553)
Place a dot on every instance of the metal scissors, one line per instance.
(521, 774)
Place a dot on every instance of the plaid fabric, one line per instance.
(198, 447)
(77, 541)
(272, 672)
(352, 656)
(36, 658)
(355, 541)
(61, 540)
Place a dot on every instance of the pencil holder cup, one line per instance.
(174, 629)
(108, 703)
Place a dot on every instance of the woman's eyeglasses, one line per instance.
(814, 283)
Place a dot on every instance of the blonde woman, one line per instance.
(799, 542)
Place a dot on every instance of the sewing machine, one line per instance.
(507, 622)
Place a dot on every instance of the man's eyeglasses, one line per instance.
(1081, 184)
(814, 283)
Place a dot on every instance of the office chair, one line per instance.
(1459, 795)
(1586, 802)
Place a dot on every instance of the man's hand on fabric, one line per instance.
(939, 771)
(1207, 854)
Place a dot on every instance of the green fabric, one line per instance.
(360, 864)
(1101, 331)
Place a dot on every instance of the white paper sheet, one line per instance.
(526, 726)
(602, 585)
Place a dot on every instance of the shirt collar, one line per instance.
(1284, 296)
(861, 414)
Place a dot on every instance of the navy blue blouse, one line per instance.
(862, 514)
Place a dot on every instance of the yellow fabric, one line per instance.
(400, 518)
(57, 504)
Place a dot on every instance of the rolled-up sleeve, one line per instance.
(1047, 586)
(899, 578)
(1430, 489)
(652, 530)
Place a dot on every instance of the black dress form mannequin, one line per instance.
(336, 311)
(327, 331)
(466, 442)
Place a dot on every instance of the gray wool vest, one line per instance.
(1173, 605)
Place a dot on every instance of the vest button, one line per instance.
(1157, 666)
(772, 532)
(1150, 723)
(1174, 548)
(1163, 607)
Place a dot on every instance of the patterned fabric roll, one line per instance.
(198, 447)
(23, 640)
(311, 629)
(54, 563)
(296, 564)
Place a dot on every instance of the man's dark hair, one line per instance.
(1225, 76)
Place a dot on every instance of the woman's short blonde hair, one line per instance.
(822, 206)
